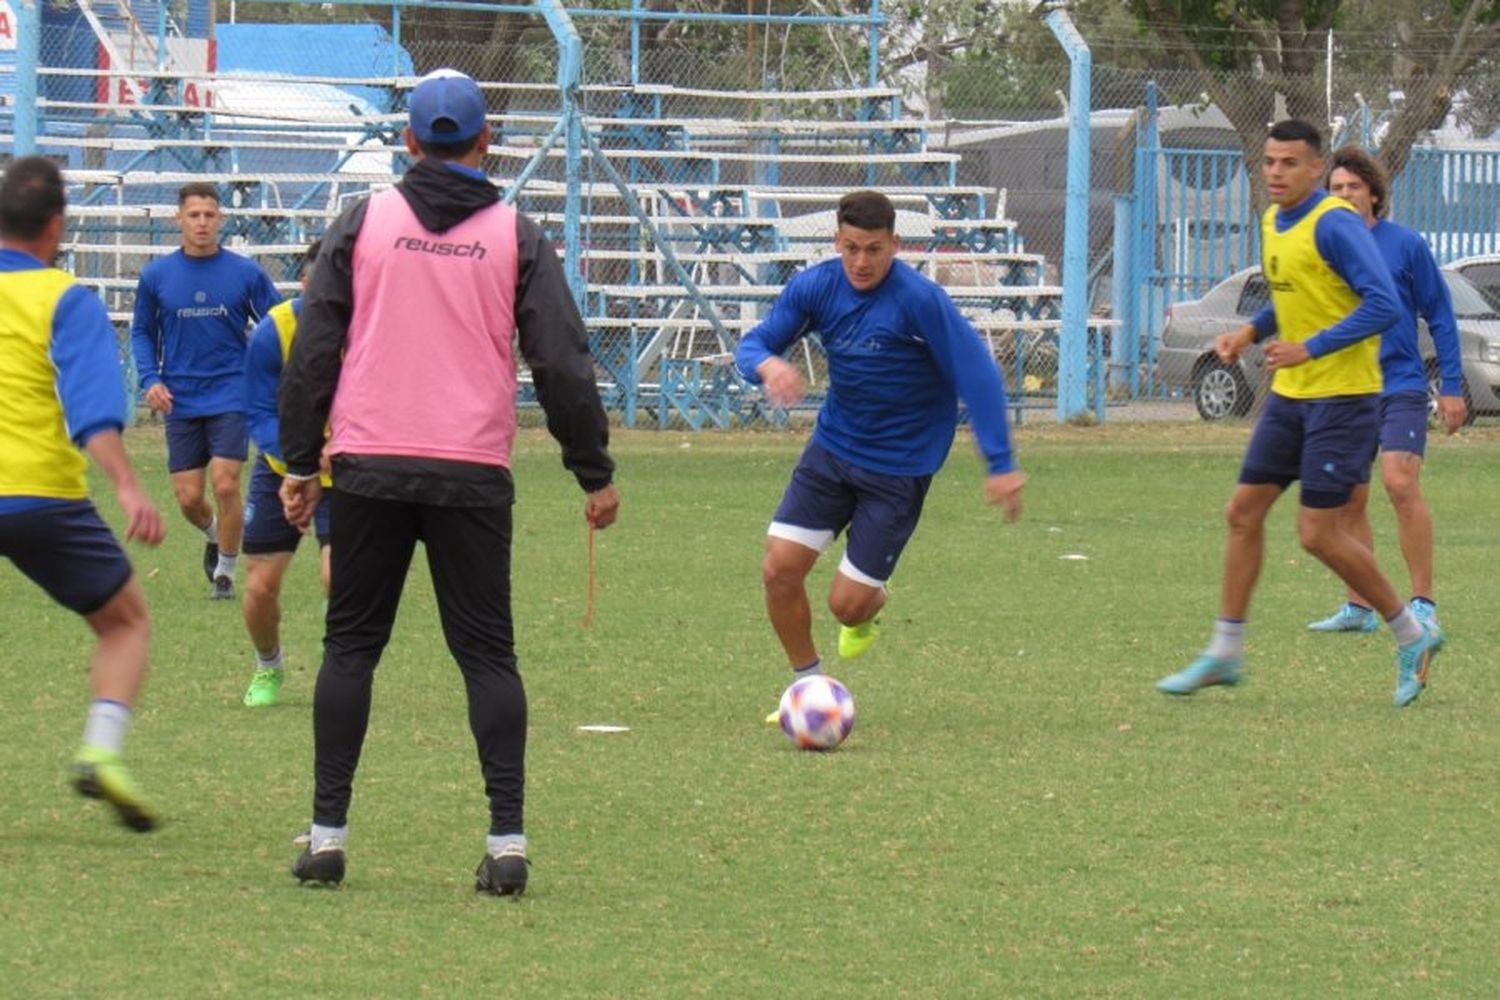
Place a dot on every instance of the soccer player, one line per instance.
(1355, 176)
(193, 308)
(408, 334)
(1331, 294)
(900, 356)
(62, 390)
(270, 539)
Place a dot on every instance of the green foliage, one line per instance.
(1017, 813)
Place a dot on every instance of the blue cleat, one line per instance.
(1206, 671)
(1412, 663)
(1424, 611)
(1349, 618)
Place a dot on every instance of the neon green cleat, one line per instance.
(99, 774)
(856, 640)
(774, 719)
(265, 686)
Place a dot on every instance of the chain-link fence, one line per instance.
(724, 143)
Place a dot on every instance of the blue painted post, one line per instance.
(569, 78)
(28, 58)
(875, 21)
(395, 42)
(1124, 349)
(1144, 307)
(1072, 375)
(635, 42)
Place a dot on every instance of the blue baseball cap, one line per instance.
(446, 106)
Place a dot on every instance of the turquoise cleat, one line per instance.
(1425, 612)
(1412, 663)
(1349, 618)
(1205, 671)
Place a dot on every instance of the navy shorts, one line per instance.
(827, 495)
(1403, 422)
(68, 550)
(1327, 443)
(192, 441)
(267, 530)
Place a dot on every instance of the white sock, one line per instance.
(813, 669)
(272, 662)
(211, 532)
(320, 835)
(1228, 642)
(1405, 627)
(106, 725)
(226, 565)
(495, 843)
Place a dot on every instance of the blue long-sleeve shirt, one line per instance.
(86, 354)
(189, 328)
(263, 363)
(1423, 292)
(1344, 241)
(899, 358)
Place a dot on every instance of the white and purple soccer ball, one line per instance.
(817, 713)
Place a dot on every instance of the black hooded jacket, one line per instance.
(549, 329)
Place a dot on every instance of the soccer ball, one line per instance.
(817, 713)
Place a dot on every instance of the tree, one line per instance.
(1255, 58)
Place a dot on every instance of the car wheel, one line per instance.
(1221, 391)
(1435, 388)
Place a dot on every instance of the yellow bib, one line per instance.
(1309, 297)
(284, 315)
(37, 457)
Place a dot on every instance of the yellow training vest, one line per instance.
(1309, 297)
(284, 316)
(37, 457)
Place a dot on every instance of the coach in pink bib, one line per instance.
(405, 352)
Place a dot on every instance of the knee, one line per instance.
(261, 591)
(1403, 491)
(1316, 536)
(853, 609)
(226, 491)
(1242, 518)
(780, 577)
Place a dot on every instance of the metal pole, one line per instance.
(28, 58)
(1072, 375)
(875, 43)
(569, 78)
(635, 42)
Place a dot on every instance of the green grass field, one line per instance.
(1018, 812)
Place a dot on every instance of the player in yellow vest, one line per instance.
(1331, 296)
(62, 390)
(270, 540)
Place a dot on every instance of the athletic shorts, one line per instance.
(1403, 422)
(1326, 443)
(267, 530)
(68, 550)
(192, 441)
(827, 495)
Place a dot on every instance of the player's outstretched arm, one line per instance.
(143, 522)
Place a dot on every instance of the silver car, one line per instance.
(1187, 361)
(1482, 271)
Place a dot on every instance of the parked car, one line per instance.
(1187, 360)
(1483, 271)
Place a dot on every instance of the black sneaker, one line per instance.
(325, 865)
(503, 874)
(223, 589)
(210, 559)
